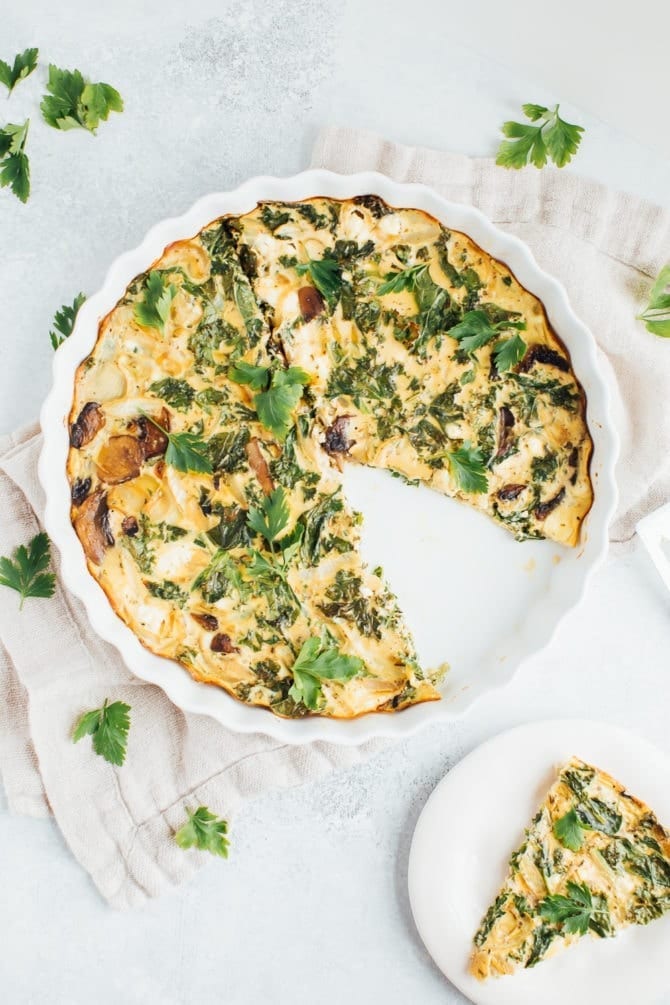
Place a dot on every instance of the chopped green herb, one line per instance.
(26, 572)
(318, 661)
(109, 727)
(467, 468)
(570, 831)
(24, 64)
(64, 319)
(205, 831)
(550, 136)
(14, 163)
(166, 590)
(75, 103)
(656, 316)
(154, 308)
(177, 393)
(272, 517)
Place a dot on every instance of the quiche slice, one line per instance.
(594, 860)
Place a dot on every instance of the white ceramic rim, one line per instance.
(205, 699)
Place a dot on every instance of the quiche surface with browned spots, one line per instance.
(231, 383)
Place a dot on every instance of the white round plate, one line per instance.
(472, 823)
(446, 551)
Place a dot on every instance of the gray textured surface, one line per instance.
(312, 906)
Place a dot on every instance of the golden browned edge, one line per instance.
(71, 416)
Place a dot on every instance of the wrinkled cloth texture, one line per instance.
(120, 822)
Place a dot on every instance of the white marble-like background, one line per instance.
(312, 906)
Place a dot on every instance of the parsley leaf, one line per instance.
(509, 352)
(255, 377)
(319, 660)
(657, 314)
(473, 331)
(109, 727)
(575, 912)
(24, 64)
(205, 831)
(75, 103)
(279, 391)
(272, 517)
(275, 406)
(326, 275)
(467, 468)
(570, 830)
(185, 451)
(14, 163)
(25, 570)
(154, 309)
(396, 282)
(552, 137)
(64, 319)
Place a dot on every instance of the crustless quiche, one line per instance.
(594, 860)
(231, 383)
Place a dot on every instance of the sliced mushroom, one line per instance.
(259, 465)
(509, 492)
(80, 489)
(544, 509)
(154, 441)
(337, 441)
(92, 526)
(573, 462)
(129, 526)
(222, 643)
(90, 420)
(120, 459)
(540, 353)
(207, 621)
(311, 303)
(504, 432)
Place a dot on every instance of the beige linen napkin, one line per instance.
(604, 246)
(119, 822)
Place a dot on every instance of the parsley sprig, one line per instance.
(319, 660)
(277, 393)
(576, 912)
(185, 451)
(467, 468)
(550, 136)
(656, 316)
(14, 163)
(326, 275)
(26, 572)
(397, 282)
(475, 330)
(109, 727)
(64, 319)
(570, 830)
(204, 830)
(24, 64)
(271, 517)
(74, 102)
(153, 310)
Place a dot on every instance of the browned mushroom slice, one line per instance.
(540, 353)
(259, 466)
(120, 459)
(80, 489)
(544, 509)
(154, 441)
(337, 441)
(92, 526)
(89, 421)
(207, 621)
(311, 303)
(509, 492)
(129, 526)
(222, 643)
(504, 436)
